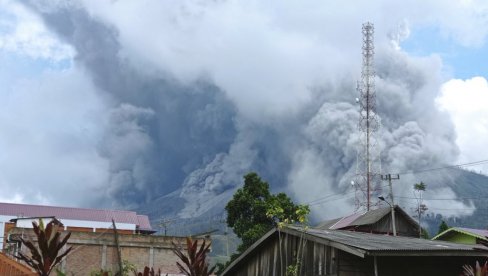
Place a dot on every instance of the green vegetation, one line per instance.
(443, 227)
(281, 219)
(253, 210)
(424, 234)
(419, 189)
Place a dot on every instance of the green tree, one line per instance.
(248, 213)
(419, 189)
(443, 227)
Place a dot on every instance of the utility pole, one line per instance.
(165, 223)
(119, 253)
(389, 177)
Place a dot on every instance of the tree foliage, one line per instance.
(419, 186)
(253, 210)
(419, 189)
(443, 227)
(46, 254)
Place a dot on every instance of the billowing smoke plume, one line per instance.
(195, 99)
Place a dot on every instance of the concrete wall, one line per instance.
(95, 251)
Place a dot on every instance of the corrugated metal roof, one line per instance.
(346, 221)
(363, 244)
(27, 210)
(143, 222)
(363, 218)
(374, 242)
(371, 217)
(478, 233)
(328, 223)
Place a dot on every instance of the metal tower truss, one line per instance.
(368, 169)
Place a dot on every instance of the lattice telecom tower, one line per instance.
(368, 169)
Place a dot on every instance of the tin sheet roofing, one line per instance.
(375, 243)
(362, 218)
(27, 210)
(346, 221)
(478, 233)
(362, 244)
(143, 222)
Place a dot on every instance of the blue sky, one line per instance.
(460, 61)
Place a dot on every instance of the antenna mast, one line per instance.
(368, 162)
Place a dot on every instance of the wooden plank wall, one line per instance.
(316, 259)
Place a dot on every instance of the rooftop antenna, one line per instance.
(368, 159)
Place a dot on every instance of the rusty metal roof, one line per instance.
(363, 218)
(27, 210)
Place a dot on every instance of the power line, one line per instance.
(328, 196)
(327, 201)
(451, 209)
(458, 198)
(480, 162)
(475, 163)
(314, 201)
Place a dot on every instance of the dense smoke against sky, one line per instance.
(118, 103)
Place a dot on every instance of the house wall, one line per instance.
(27, 223)
(351, 265)
(95, 251)
(410, 265)
(319, 259)
(279, 253)
(457, 237)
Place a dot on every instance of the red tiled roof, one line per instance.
(26, 210)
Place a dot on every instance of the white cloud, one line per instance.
(23, 32)
(51, 126)
(268, 54)
(466, 101)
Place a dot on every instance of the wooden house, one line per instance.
(376, 221)
(347, 253)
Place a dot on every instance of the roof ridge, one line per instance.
(68, 207)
